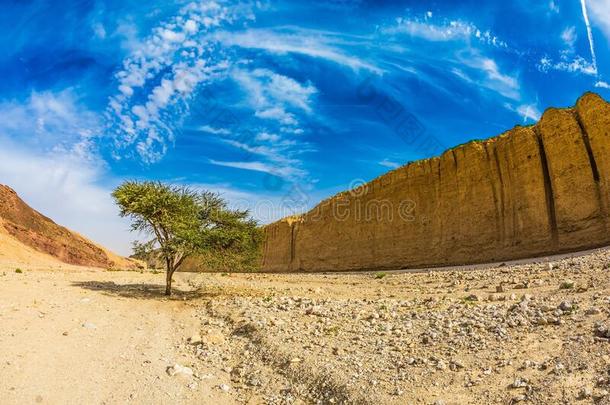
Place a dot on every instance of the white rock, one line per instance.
(177, 369)
(195, 339)
(224, 387)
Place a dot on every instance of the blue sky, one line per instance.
(275, 104)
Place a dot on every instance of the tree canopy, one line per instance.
(182, 222)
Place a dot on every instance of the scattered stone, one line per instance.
(177, 369)
(455, 365)
(602, 330)
(195, 339)
(314, 310)
(600, 394)
(566, 306)
(214, 337)
(593, 311)
(519, 383)
(518, 398)
(585, 393)
(89, 325)
(224, 387)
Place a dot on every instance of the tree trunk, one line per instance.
(168, 282)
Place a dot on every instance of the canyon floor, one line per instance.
(530, 333)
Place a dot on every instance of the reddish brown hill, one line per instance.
(32, 229)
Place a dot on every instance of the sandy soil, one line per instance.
(529, 333)
(77, 337)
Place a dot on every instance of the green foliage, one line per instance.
(183, 222)
(18, 271)
(380, 275)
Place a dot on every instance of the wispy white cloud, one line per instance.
(284, 89)
(277, 100)
(266, 136)
(600, 14)
(50, 121)
(585, 16)
(553, 6)
(284, 172)
(490, 76)
(99, 30)
(577, 64)
(158, 80)
(465, 57)
(271, 94)
(274, 153)
(213, 130)
(602, 84)
(277, 114)
(529, 112)
(264, 205)
(567, 61)
(568, 36)
(389, 163)
(310, 43)
(446, 31)
(159, 77)
(67, 189)
(48, 155)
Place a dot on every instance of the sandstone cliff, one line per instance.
(530, 191)
(25, 233)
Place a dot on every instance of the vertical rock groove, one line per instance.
(587, 142)
(548, 188)
(497, 195)
(501, 178)
(292, 243)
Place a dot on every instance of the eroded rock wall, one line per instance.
(530, 191)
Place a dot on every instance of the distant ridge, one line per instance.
(26, 233)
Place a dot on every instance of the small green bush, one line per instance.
(380, 275)
(18, 271)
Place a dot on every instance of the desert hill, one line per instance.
(532, 191)
(26, 236)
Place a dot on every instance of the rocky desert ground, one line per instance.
(536, 332)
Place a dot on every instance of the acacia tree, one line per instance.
(182, 222)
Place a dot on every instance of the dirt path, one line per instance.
(77, 337)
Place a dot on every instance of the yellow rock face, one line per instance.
(530, 191)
